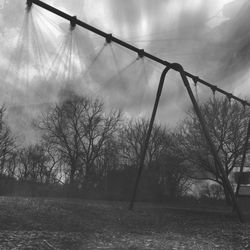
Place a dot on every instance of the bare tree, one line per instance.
(174, 175)
(31, 161)
(133, 137)
(7, 145)
(53, 167)
(36, 164)
(110, 161)
(227, 124)
(78, 128)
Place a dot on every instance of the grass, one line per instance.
(29, 223)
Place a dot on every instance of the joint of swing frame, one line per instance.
(229, 97)
(73, 22)
(108, 38)
(167, 64)
(28, 5)
(195, 79)
(176, 66)
(140, 53)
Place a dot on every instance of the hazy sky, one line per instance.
(41, 56)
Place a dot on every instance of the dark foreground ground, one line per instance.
(74, 224)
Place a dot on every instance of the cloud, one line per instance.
(208, 38)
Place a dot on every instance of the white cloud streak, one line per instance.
(208, 38)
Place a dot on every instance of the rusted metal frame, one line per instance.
(149, 131)
(209, 140)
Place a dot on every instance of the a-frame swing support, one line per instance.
(184, 75)
(243, 160)
(148, 135)
(205, 130)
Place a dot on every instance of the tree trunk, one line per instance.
(86, 178)
(227, 195)
(72, 173)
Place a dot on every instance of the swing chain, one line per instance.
(73, 23)
(195, 80)
(28, 5)
(214, 88)
(244, 103)
(229, 96)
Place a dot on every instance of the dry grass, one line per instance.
(74, 224)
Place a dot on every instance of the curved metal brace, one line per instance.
(144, 150)
(243, 160)
(179, 68)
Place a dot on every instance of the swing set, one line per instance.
(186, 77)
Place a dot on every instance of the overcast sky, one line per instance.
(41, 56)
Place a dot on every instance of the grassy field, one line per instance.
(74, 224)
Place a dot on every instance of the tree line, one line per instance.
(85, 150)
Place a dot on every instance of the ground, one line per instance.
(29, 223)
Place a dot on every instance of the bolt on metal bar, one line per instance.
(111, 38)
(149, 131)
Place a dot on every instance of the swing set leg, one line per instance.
(243, 160)
(145, 146)
(229, 188)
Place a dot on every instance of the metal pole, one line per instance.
(144, 150)
(110, 38)
(179, 68)
(243, 160)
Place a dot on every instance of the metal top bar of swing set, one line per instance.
(141, 53)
